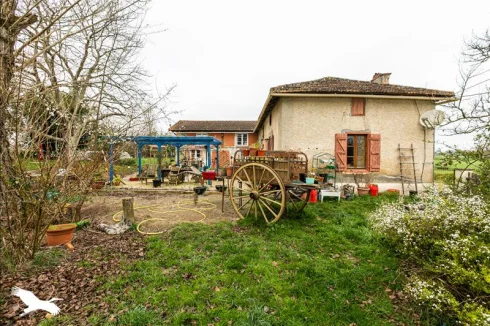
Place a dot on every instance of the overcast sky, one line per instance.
(225, 55)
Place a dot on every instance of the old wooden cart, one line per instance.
(269, 186)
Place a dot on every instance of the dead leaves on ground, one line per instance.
(77, 280)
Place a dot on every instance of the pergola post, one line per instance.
(111, 161)
(139, 158)
(159, 161)
(217, 157)
(178, 155)
(208, 155)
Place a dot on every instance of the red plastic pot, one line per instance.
(373, 190)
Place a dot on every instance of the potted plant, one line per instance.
(245, 152)
(362, 181)
(222, 171)
(157, 183)
(98, 182)
(310, 178)
(117, 180)
(229, 170)
(60, 234)
(254, 148)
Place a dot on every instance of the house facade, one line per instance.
(234, 135)
(362, 123)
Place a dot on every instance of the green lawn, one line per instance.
(325, 268)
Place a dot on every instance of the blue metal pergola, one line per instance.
(177, 141)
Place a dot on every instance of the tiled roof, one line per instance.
(334, 85)
(213, 126)
(330, 86)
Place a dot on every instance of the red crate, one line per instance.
(209, 175)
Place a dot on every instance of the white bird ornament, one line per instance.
(33, 303)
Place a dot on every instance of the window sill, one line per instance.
(356, 171)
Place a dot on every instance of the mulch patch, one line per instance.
(76, 280)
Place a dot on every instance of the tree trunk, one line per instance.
(128, 211)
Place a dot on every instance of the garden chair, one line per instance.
(173, 176)
(149, 171)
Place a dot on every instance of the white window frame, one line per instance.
(242, 144)
(194, 154)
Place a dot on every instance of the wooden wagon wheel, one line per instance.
(258, 190)
(297, 198)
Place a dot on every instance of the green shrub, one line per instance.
(127, 162)
(446, 237)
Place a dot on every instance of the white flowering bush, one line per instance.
(447, 237)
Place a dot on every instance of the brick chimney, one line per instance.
(381, 78)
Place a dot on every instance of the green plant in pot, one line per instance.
(117, 180)
(254, 148)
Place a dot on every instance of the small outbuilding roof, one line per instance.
(213, 126)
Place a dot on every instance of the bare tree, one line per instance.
(471, 113)
(69, 72)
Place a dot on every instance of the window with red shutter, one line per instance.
(374, 152)
(341, 151)
(358, 151)
(358, 106)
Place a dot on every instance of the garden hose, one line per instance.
(154, 209)
(211, 205)
(162, 219)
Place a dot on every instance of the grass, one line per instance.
(325, 268)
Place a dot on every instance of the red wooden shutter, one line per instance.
(341, 151)
(358, 105)
(374, 152)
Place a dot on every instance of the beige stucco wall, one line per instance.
(274, 127)
(310, 125)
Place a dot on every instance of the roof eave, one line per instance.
(398, 97)
(262, 112)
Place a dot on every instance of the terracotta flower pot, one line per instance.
(253, 152)
(362, 191)
(261, 152)
(229, 171)
(60, 234)
(98, 185)
(245, 152)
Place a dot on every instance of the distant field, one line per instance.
(445, 174)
